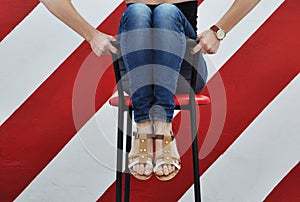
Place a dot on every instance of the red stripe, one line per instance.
(44, 124)
(288, 189)
(12, 13)
(45, 121)
(33, 155)
(252, 78)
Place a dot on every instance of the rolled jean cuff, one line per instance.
(142, 119)
(158, 118)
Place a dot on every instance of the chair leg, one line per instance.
(197, 190)
(119, 155)
(128, 147)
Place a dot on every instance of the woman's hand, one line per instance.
(100, 44)
(66, 12)
(208, 43)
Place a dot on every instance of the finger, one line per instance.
(111, 38)
(98, 53)
(199, 37)
(97, 50)
(112, 49)
(210, 51)
(196, 49)
(106, 52)
(203, 51)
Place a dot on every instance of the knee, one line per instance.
(138, 14)
(165, 14)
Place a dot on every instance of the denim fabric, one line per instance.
(153, 45)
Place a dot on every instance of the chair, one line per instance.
(186, 101)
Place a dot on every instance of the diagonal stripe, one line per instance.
(254, 164)
(25, 113)
(288, 189)
(34, 50)
(25, 150)
(58, 172)
(12, 13)
(81, 164)
(252, 78)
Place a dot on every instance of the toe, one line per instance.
(165, 169)
(148, 170)
(159, 171)
(134, 168)
(141, 169)
(170, 168)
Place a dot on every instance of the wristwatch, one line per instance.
(220, 33)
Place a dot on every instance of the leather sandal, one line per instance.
(166, 158)
(142, 156)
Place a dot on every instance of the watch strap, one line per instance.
(220, 33)
(214, 28)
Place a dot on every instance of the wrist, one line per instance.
(219, 32)
(90, 35)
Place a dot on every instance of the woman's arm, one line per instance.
(65, 11)
(208, 42)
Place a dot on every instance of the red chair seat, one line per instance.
(180, 100)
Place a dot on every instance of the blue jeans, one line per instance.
(153, 44)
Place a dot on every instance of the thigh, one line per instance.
(169, 17)
(135, 35)
(136, 43)
(136, 16)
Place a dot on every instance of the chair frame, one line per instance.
(122, 108)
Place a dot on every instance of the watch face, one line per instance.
(220, 34)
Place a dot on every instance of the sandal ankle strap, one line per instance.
(161, 137)
(138, 135)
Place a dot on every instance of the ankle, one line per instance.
(162, 127)
(145, 127)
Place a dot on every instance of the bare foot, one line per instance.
(167, 158)
(141, 168)
(166, 169)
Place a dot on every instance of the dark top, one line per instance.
(188, 8)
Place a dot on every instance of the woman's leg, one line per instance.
(135, 38)
(169, 44)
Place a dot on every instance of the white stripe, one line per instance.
(36, 47)
(239, 34)
(84, 168)
(258, 160)
(59, 180)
